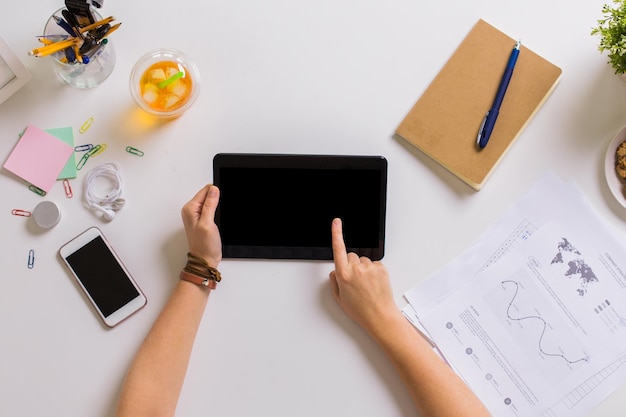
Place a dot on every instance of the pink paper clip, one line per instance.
(68, 188)
(19, 212)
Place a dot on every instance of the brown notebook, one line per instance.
(444, 122)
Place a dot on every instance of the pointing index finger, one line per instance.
(339, 247)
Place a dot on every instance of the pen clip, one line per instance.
(481, 129)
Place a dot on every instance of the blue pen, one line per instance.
(66, 27)
(492, 115)
(70, 55)
(72, 22)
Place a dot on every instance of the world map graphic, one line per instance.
(577, 267)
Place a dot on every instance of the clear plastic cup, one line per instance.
(165, 82)
(77, 74)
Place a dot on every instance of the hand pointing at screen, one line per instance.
(363, 290)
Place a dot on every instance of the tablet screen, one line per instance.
(282, 206)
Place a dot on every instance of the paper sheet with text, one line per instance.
(533, 315)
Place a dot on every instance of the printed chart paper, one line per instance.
(533, 316)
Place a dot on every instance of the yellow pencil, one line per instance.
(79, 57)
(55, 47)
(46, 41)
(97, 24)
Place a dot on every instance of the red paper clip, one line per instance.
(19, 212)
(68, 188)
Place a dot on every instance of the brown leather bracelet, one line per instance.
(198, 280)
(198, 266)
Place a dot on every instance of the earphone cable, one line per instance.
(112, 200)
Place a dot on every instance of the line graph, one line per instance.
(544, 327)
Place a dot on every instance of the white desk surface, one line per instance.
(287, 77)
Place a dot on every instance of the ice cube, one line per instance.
(171, 71)
(178, 88)
(157, 75)
(150, 93)
(170, 101)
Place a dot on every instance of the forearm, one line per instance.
(436, 390)
(156, 375)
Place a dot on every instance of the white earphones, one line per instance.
(110, 203)
(107, 214)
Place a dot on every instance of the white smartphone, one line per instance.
(102, 276)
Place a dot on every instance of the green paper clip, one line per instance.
(82, 161)
(97, 150)
(93, 151)
(101, 148)
(37, 190)
(134, 151)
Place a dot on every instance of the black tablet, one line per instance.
(280, 206)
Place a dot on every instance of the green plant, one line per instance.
(612, 31)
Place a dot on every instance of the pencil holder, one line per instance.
(84, 71)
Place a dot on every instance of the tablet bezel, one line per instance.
(302, 161)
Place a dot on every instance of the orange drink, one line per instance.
(165, 82)
(166, 86)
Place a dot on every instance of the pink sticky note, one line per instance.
(38, 158)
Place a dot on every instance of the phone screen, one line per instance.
(103, 277)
